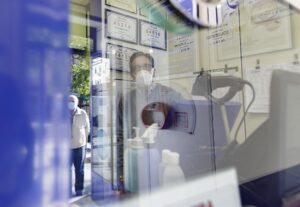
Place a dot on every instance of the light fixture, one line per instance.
(184, 14)
(204, 13)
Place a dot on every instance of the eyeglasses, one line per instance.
(138, 68)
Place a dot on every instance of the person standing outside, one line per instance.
(80, 128)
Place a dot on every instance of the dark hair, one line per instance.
(136, 55)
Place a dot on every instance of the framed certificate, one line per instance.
(128, 5)
(120, 27)
(270, 18)
(119, 56)
(152, 35)
(183, 52)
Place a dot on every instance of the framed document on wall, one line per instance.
(183, 52)
(128, 5)
(119, 57)
(152, 35)
(120, 27)
(266, 29)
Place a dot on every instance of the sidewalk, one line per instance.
(83, 201)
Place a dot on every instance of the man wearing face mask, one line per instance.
(80, 129)
(145, 92)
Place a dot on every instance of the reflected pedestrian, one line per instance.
(80, 129)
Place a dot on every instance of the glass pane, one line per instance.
(266, 162)
(155, 123)
(172, 102)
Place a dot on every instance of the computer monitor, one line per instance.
(285, 118)
(268, 161)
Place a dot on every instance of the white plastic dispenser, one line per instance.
(173, 173)
(163, 164)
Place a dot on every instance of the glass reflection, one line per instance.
(148, 113)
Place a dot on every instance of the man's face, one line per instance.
(141, 63)
(72, 103)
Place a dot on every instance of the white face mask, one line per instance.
(144, 78)
(72, 106)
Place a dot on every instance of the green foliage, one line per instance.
(81, 79)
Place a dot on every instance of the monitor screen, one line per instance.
(275, 144)
(285, 118)
(268, 161)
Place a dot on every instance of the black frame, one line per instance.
(127, 16)
(140, 36)
(119, 46)
(136, 8)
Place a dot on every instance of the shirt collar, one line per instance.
(77, 111)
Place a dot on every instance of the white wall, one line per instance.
(209, 58)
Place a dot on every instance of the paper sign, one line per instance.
(261, 80)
